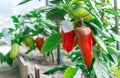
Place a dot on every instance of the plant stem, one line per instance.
(69, 9)
(116, 22)
(58, 49)
(52, 56)
(83, 25)
(47, 3)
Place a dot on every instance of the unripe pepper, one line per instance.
(39, 42)
(29, 42)
(84, 37)
(14, 50)
(68, 40)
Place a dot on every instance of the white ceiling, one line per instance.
(9, 8)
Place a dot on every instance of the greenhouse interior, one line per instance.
(59, 39)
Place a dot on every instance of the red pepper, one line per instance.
(84, 37)
(79, 22)
(68, 40)
(39, 42)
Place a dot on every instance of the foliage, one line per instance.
(58, 68)
(44, 22)
(51, 43)
(72, 72)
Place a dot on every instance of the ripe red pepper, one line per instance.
(79, 22)
(84, 37)
(68, 40)
(39, 42)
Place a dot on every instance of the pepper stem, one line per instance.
(83, 25)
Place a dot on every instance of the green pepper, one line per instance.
(29, 42)
(14, 52)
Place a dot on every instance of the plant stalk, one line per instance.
(116, 22)
(58, 49)
(52, 56)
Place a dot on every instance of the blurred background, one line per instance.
(9, 8)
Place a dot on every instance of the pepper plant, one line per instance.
(85, 28)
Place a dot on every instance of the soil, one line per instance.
(8, 72)
(43, 62)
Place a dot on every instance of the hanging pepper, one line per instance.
(84, 37)
(39, 42)
(79, 22)
(14, 52)
(68, 40)
(29, 42)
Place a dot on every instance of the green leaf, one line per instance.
(100, 42)
(51, 43)
(97, 15)
(119, 60)
(1, 35)
(98, 20)
(32, 14)
(58, 68)
(67, 1)
(111, 58)
(116, 72)
(94, 7)
(11, 30)
(15, 19)
(74, 55)
(113, 52)
(2, 58)
(99, 31)
(100, 69)
(112, 49)
(55, 1)
(115, 58)
(72, 72)
(115, 36)
(24, 1)
(101, 4)
(8, 59)
(56, 14)
(111, 11)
